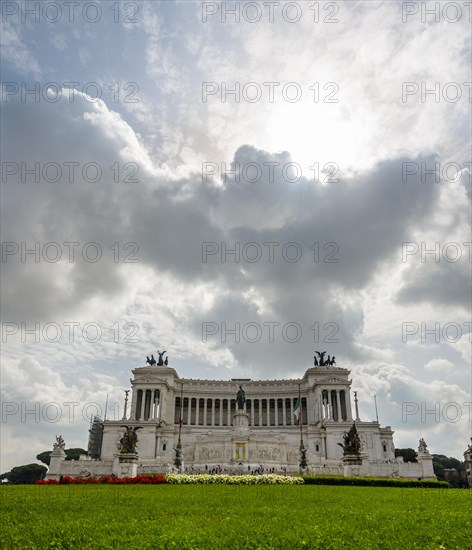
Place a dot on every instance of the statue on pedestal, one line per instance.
(129, 440)
(160, 362)
(60, 444)
(422, 447)
(240, 398)
(321, 362)
(352, 442)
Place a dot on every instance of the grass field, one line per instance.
(233, 517)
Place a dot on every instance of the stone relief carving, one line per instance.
(149, 380)
(332, 380)
(205, 453)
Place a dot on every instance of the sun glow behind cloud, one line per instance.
(321, 137)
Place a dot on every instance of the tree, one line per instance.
(443, 466)
(449, 462)
(29, 473)
(409, 455)
(71, 454)
(44, 457)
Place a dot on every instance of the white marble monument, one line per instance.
(216, 432)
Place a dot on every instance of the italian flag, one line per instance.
(296, 412)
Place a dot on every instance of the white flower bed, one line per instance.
(234, 480)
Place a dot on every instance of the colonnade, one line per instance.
(203, 411)
(335, 405)
(147, 406)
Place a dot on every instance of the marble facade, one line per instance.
(215, 434)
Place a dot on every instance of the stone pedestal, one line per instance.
(58, 455)
(468, 464)
(240, 437)
(126, 465)
(425, 460)
(352, 465)
(240, 423)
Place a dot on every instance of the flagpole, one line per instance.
(106, 407)
(302, 447)
(178, 448)
(301, 415)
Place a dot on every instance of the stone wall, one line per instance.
(85, 467)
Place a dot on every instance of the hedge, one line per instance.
(269, 479)
(141, 479)
(374, 482)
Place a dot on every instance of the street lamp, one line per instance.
(303, 463)
(178, 448)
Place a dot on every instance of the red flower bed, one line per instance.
(141, 479)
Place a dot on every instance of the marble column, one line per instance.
(143, 401)
(347, 394)
(213, 412)
(189, 406)
(338, 401)
(356, 404)
(260, 412)
(134, 404)
(132, 410)
(149, 404)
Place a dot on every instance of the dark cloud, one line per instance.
(441, 283)
(365, 217)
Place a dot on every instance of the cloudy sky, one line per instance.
(239, 190)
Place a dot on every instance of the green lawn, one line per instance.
(233, 517)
